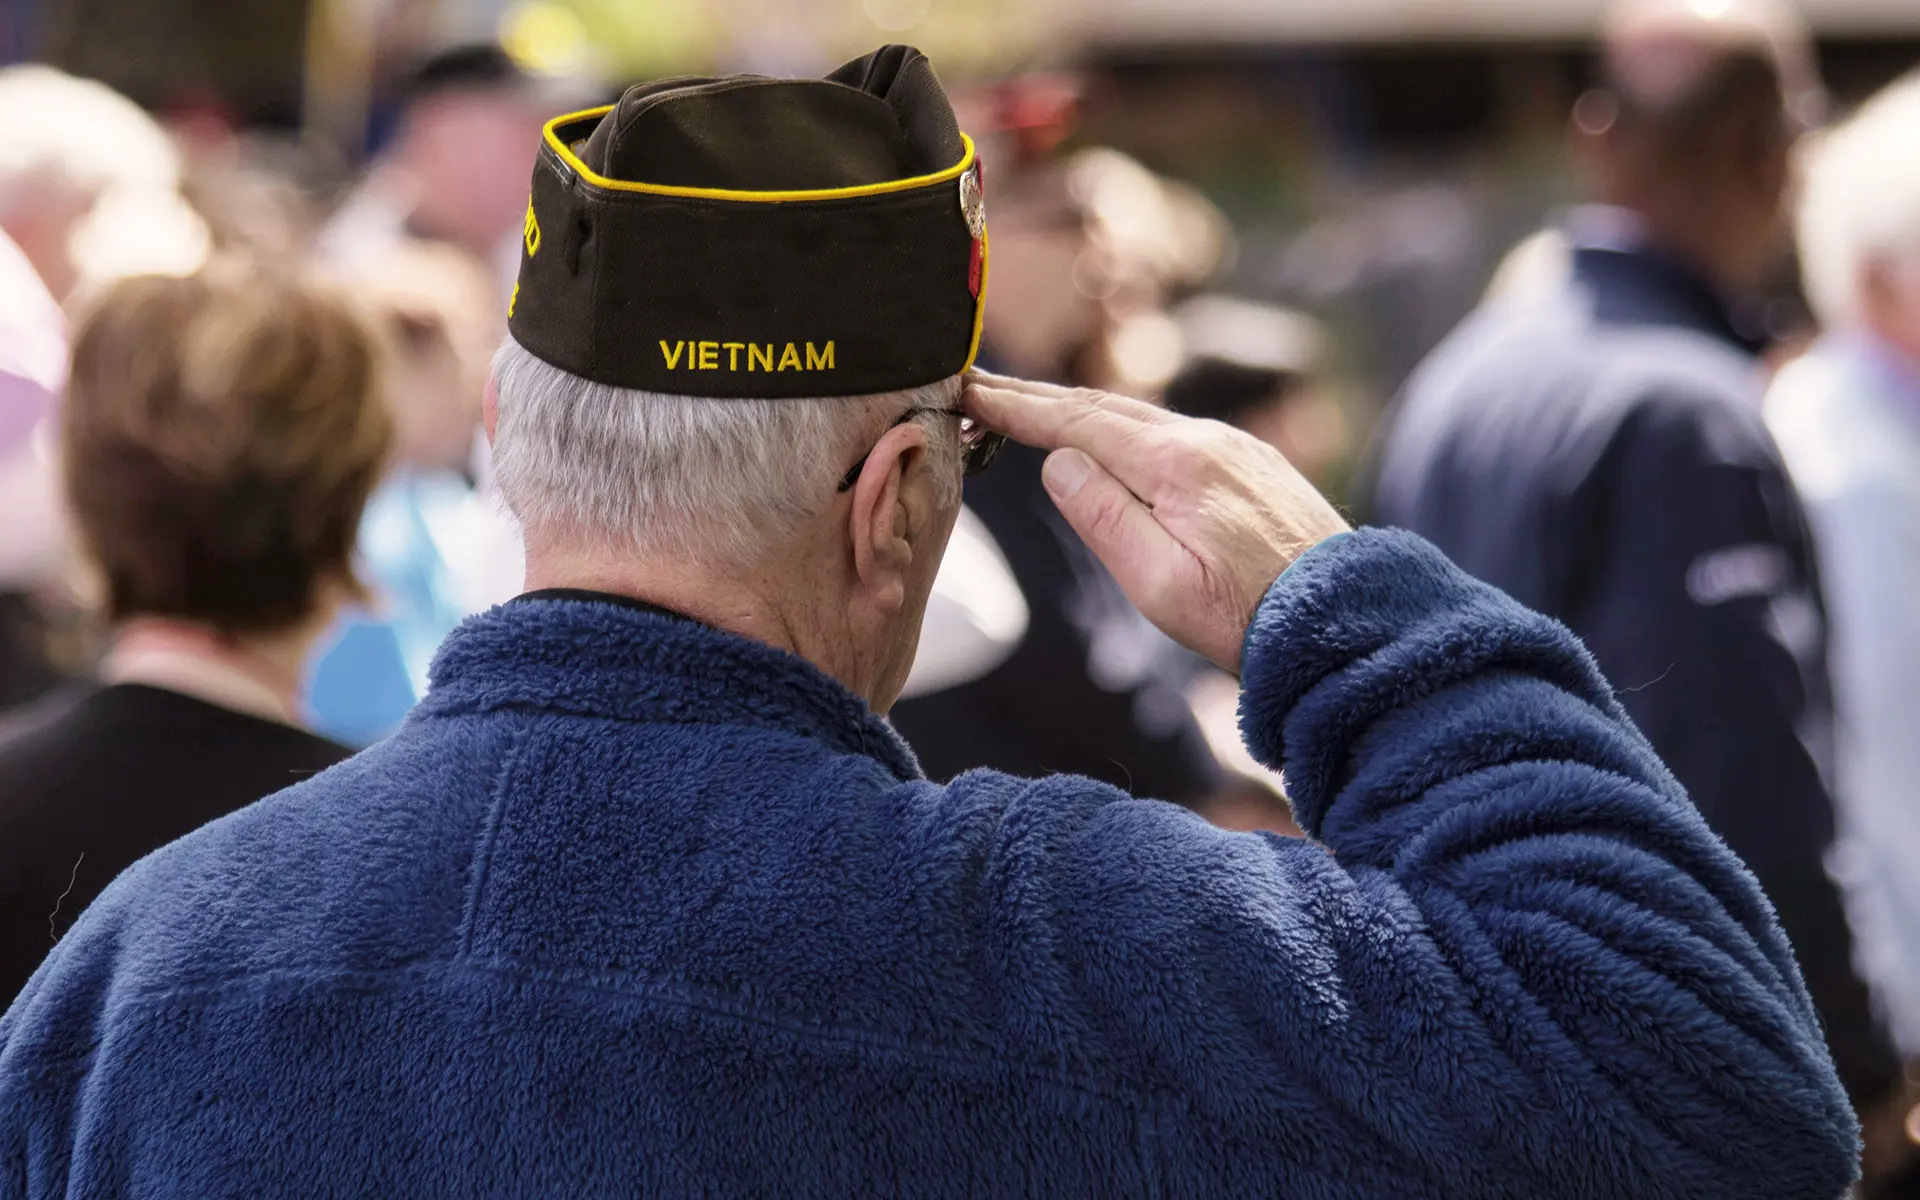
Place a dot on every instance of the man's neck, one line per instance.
(744, 602)
(1639, 228)
(722, 604)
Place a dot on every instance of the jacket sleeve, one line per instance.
(1513, 960)
(1704, 610)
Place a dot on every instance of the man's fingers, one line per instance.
(1139, 410)
(1025, 416)
(1125, 406)
(1124, 446)
(1114, 524)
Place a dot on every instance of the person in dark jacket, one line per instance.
(1597, 450)
(646, 898)
(220, 436)
(1091, 689)
(1087, 690)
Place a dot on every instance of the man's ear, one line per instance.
(892, 508)
(489, 406)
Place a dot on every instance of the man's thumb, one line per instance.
(1111, 520)
(1065, 472)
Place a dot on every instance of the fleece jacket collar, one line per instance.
(588, 655)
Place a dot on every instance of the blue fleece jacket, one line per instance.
(634, 907)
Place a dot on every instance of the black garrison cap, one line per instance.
(759, 238)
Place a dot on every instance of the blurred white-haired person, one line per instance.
(89, 196)
(1847, 417)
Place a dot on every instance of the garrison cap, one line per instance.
(759, 238)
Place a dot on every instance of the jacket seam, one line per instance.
(483, 852)
(651, 993)
(701, 1000)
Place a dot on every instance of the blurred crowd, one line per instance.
(246, 489)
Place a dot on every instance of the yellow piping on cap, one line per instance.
(587, 173)
(979, 306)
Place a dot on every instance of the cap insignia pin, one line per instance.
(973, 203)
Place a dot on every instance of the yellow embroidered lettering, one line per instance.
(531, 229)
(513, 299)
(705, 356)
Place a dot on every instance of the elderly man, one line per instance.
(647, 899)
(1597, 451)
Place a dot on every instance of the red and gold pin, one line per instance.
(973, 206)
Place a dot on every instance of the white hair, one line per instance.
(1860, 203)
(687, 474)
(66, 134)
(73, 142)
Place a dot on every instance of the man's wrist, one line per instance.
(1325, 545)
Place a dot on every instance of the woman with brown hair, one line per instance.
(221, 435)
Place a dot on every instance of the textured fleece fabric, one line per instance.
(633, 907)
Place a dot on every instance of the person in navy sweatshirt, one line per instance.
(646, 898)
(1592, 442)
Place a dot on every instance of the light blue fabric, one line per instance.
(374, 668)
(633, 907)
(1847, 417)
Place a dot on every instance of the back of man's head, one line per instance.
(1859, 217)
(731, 384)
(1692, 119)
(1680, 59)
(669, 477)
(730, 287)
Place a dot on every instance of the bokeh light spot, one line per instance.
(542, 37)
